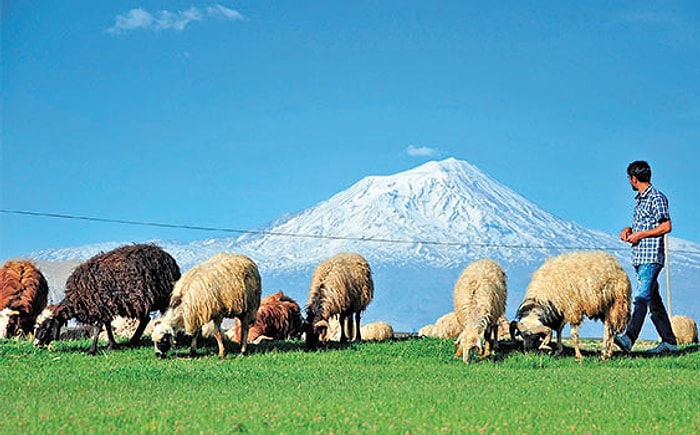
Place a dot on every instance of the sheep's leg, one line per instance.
(95, 337)
(358, 335)
(547, 340)
(193, 345)
(244, 336)
(143, 322)
(343, 326)
(110, 336)
(560, 346)
(494, 332)
(487, 344)
(574, 339)
(606, 353)
(219, 341)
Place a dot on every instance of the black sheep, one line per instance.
(130, 281)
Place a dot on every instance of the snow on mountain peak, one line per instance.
(441, 213)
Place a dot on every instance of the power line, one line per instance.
(306, 236)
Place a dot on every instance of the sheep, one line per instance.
(480, 296)
(341, 285)
(446, 326)
(129, 281)
(685, 329)
(377, 331)
(225, 285)
(125, 327)
(564, 290)
(23, 295)
(278, 318)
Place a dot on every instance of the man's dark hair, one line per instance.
(641, 170)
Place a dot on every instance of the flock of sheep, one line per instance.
(133, 281)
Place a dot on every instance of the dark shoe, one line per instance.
(623, 342)
(663, 348)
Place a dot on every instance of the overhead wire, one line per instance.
(308, 236)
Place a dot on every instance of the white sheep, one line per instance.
(480, 296)
(377, 331)
(225, 286)
(685, 329)
(564, 290)
(446, 326)
(343, 286)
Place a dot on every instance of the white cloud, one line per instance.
(219, 11)
(139, 18)
(415, 151)
(134, 19)
(166, 20)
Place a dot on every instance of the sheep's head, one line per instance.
(533, 333)
(163, 338)
(8, 322)
(467, 344)
(315, 330)
(48, 326)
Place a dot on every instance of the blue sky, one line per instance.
(229, 114)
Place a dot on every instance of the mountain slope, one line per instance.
(450, 209)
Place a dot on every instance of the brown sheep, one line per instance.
(23, 295)
(278, 318)
(129, 281)
(341, 285)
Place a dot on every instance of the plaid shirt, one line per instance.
(650, 211)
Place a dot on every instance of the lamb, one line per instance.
(224, 286)
(23, 295)
(278, 318)
(377, 331)
(480, 300)
(341, 285)
(685, 329)
(567, 288)
(129, 281)
(446, 326)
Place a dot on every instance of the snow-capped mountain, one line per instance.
(418, 229)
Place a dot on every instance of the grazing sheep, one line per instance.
(685, 329)
(226, 285)
(480, 300)
(567, 288)
(129, 281)
(341, 285)
(446, 326)
(377, 331)
(278, 318)
(23, 295)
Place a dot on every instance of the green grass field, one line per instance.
(405, 386)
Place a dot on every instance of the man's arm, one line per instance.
(663, 228)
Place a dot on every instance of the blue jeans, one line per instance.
(646, 296)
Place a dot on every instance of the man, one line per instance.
(651, 221)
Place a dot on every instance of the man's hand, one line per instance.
(625, 233)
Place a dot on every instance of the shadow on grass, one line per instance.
(590, 348)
